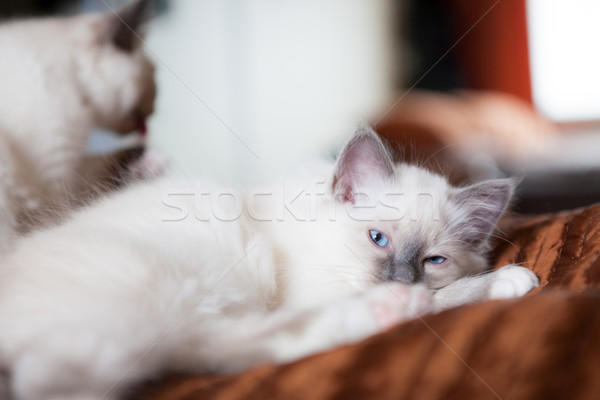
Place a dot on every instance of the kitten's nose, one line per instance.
(404, 273)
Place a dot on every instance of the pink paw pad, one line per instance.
(394, 303)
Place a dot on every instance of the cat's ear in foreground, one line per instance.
(483, 204)
(365, 159)
(124, 30)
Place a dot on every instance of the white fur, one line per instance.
(504, 283)
(191, 276)
(60, 78)
(108, 294)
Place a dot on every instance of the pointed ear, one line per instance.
(125, 24)
(482, 205)
(365, 158)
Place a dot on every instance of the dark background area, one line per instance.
(22, 8)
(429, 33)
(28, 8)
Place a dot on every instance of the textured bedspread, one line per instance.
(543, 346)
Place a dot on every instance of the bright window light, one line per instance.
(564, 47)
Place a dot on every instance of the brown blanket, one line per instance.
(543, 346)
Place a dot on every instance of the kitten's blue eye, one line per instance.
(379, 238)
(435, 260)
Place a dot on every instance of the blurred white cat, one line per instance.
(61, 78)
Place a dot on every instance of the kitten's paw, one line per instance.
(393, 303)
(511, 281)
(151, 164)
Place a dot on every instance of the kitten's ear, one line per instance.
(482, 205)
(364, 159)
(125, 24)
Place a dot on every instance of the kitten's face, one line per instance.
(125, 90)
(410, 225)
(117, 77)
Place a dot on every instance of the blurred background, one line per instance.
(251, 88)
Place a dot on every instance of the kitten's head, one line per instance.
(409, 225)
(116, 77)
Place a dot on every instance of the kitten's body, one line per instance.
(60, 78)
(187, 276)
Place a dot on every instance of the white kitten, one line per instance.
(191, 276)
(60, 78)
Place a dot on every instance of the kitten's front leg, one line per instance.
(287, 335)
(506, 282)
(353, 319)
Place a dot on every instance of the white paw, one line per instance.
(150, 165)
(511, 281)
(392, 303)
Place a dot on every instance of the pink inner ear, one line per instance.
(344, 188)
(363, 161)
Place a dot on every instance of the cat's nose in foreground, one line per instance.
(402, 272)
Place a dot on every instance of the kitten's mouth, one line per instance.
(142, 128)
